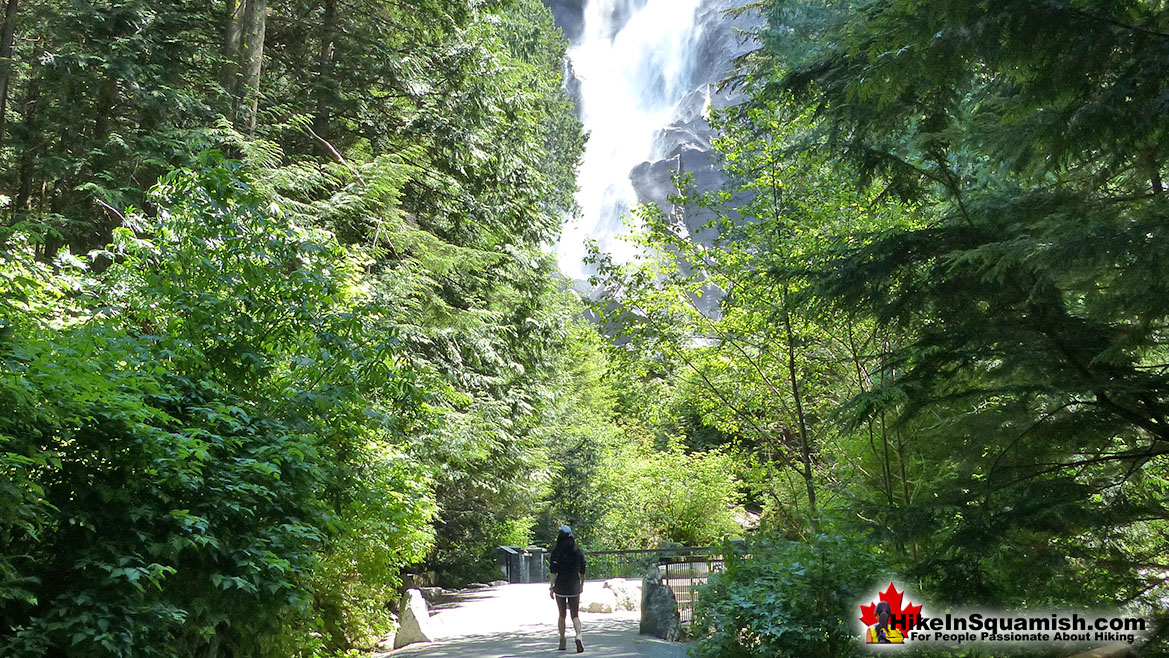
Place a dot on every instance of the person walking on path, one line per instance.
(567, 567)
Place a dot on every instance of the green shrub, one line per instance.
(197, 443)
(786, 598)
(652, 498)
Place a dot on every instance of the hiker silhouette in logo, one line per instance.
(882, 632)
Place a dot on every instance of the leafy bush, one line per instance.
(786, 598)
(197, 445)
(671, 496)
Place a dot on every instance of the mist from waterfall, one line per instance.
(635, 63)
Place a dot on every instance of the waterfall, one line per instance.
(634, 61)
(644, 74)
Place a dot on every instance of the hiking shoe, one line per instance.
(579, 646)
(562, 647)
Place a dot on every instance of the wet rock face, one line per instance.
(654, 183)
(684, 144)
(718, 43)
(569, 15)
(619, 14)
(572, 85)
(645, 76)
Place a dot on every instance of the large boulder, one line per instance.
(385, 645)
(414, 623)
(659, 609)
(598, 601)
(627, 593)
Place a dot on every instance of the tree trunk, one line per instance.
(29, 135)
(6, 36)
(805, 442)
(887, 464)
(255, 22)
(325, 73)
(229, 76)
(1154, 169)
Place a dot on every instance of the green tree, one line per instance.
(762, 364)
(1029, 139)
(659, 497)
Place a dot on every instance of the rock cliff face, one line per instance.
(569, 16)
(684, 144)
(644, 74)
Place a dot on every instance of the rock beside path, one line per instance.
(414, 623)
(659, 609)
(385, 645)
(626, 592)
(520, 620)
(602, 601)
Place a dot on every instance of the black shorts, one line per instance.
(565, 603)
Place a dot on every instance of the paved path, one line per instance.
(520, 620)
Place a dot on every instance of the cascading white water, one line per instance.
(635, 63)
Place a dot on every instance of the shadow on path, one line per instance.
(616, 638)
(458, 599)
(499, 623)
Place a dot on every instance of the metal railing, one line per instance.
(682, 569)
(634, 564)
(684, 577)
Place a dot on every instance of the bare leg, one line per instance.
(562, 605)
(560, 625)
(575, 626)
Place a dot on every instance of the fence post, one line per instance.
(535, 564)
(511, 560)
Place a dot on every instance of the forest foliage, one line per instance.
(280, 332)
(277, 322)
(938, 340)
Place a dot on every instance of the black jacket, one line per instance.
(569, 567)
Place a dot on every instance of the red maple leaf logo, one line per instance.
(893, 598)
